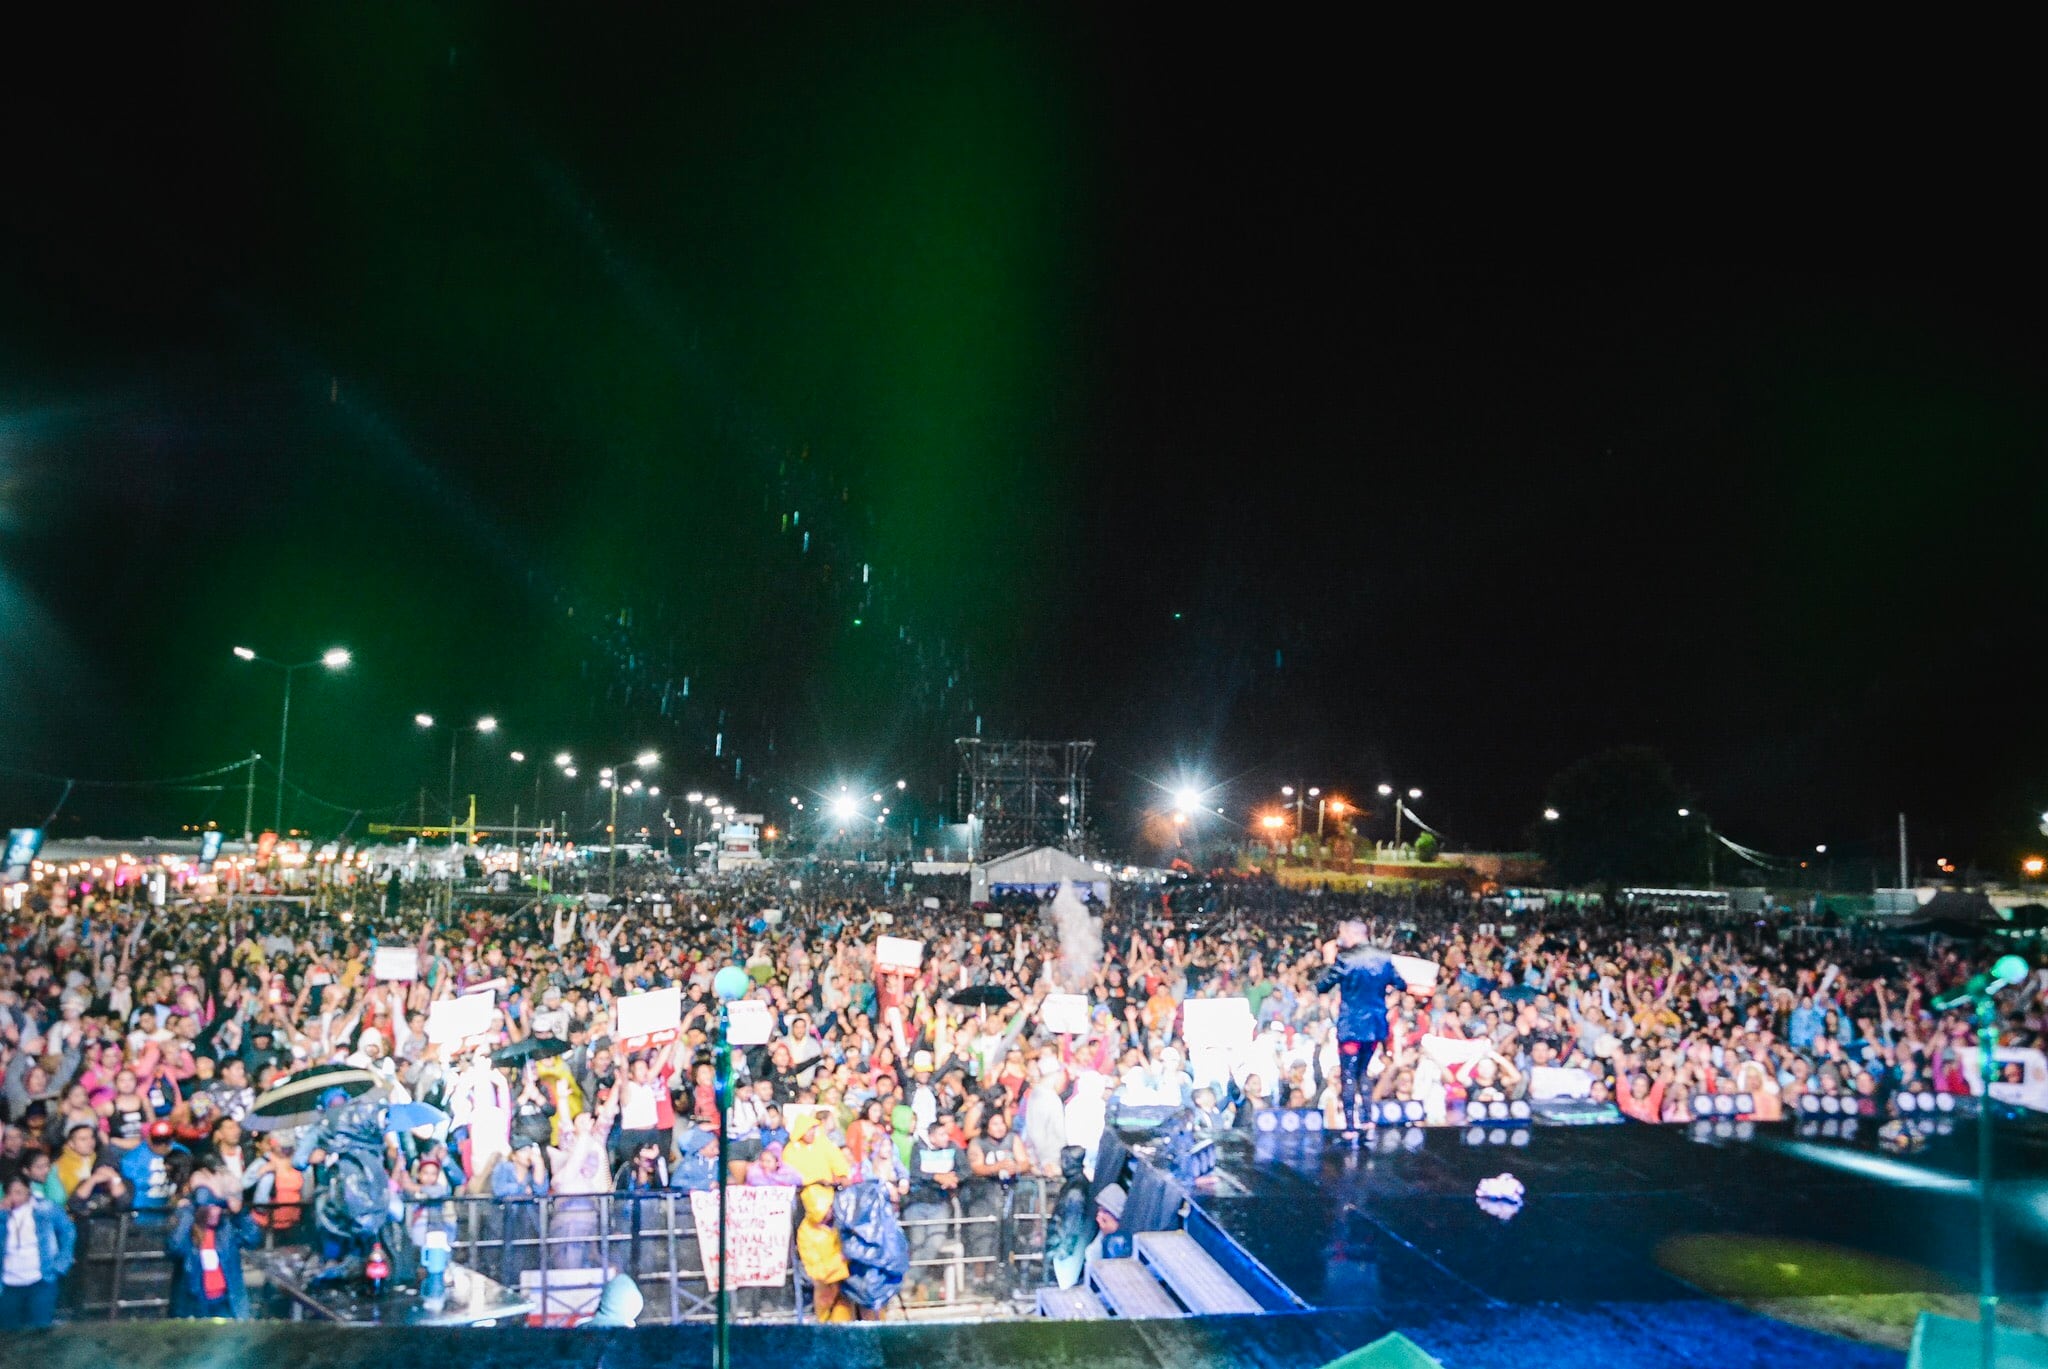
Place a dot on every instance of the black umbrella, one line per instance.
(296, 1100)
(981, 996)
(532, 1048)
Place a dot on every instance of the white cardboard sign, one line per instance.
(1419, 973)
(1065, 1014)
(748, 1023)
(450, 1020)
(396, 963)
(1217, 1023)
(646, 1014)
(898, 953)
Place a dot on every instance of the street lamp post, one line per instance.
(1388, 790)
(334, 658)
(609, 777)
(486, 725)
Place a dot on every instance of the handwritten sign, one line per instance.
(1064, 1013)
(898, 953)
(454, 1020)
(757, 1224)
(748, 1023)
(396, 963)
(653, 1013)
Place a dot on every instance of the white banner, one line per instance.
(450, 1020)
(645, 1014)
(1064, 1013)
(898, 953)
(1217, 1023)
(757, 1226)
(396, 963)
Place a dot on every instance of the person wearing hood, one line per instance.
(812, 1154)
(1045, 1121)
(208, 1235)
(822, 1256)
(903, 1133)
(1072, 1224)
(1363, 975)
(618, 1306)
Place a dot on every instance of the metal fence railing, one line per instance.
(971, 1256)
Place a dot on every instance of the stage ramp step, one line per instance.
(1071, 1304)
(1130, 1290)
(1193, 1274)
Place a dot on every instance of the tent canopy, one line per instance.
(1039, 869)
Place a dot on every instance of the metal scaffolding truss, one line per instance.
(1017, 794)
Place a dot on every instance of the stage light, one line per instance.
(647, 758)
(336, 658)
(518, 757)
(1550, 815)
(423, 719)
(844, 808)
(1187, 800)
(563, 760)
(1290, 1121)
(487, 724)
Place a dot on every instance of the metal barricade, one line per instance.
(974, 1259)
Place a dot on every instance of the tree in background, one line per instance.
(1425, 846)
(1618, 822)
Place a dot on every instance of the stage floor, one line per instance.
(1625, 1213)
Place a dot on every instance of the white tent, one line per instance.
(1039, 870)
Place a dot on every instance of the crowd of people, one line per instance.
(135, 1041)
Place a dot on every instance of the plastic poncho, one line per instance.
(817, 1240)
(810, 1152)
(871, 1237)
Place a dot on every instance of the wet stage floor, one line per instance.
(1625, 1213)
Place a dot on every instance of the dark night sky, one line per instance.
(1467, 424)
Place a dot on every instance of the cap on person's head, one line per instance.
(921, 1062)
(1111, 1200)
(159, 1131)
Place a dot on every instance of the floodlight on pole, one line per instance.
(334, 658)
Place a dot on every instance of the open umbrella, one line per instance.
(296, 1100)
(406, 1116)
(532, 1048)
(981, 996)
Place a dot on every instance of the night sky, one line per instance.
(800, 390)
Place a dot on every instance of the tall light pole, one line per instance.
(1388, 790)
(484, 725)
(334, 658)
(609, 778)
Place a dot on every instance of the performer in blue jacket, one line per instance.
(1364, 974)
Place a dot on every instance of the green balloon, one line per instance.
(2010, 968)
